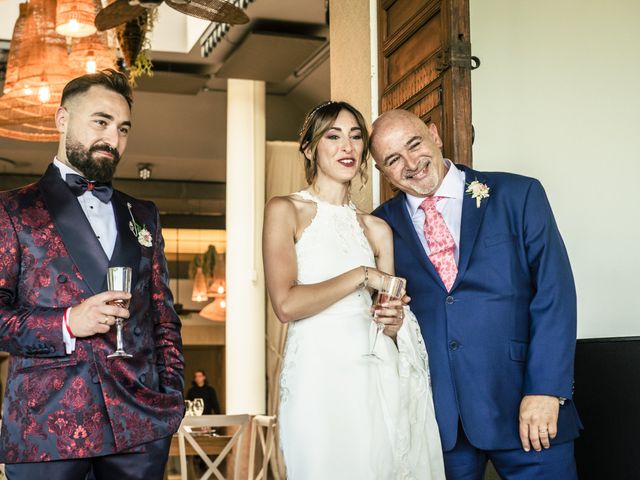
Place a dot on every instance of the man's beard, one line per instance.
(99, 170)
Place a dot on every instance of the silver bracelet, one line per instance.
(365, 283)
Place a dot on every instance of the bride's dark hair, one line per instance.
(316, 123)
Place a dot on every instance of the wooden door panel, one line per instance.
(416, 83)
(421, 44)
(429, 107)
(401, 18)
(424, 66)
(399, 13)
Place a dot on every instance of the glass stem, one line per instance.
(379, 328)
(119, 344)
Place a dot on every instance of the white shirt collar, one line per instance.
(64, 168)
(452, 186)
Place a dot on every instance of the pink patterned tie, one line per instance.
(440, 241)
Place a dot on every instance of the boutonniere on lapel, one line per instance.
(140, 231)
(478, 191)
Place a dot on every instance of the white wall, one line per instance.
(9, 11)
(558, 98)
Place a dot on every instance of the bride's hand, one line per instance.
(391, 315)
(375, 278)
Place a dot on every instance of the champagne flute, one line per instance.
(119, 278)
(393, 288)
(198, 406)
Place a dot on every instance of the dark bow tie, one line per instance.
(79, 185)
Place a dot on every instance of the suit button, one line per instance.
(95, 379)
(61, 278)
(449, 300)
(142, 378)
(453, 345)
(137, 331)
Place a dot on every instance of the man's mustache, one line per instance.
(410, 173)
(106, 148)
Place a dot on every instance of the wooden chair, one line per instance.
(185, 432)
(263, 427)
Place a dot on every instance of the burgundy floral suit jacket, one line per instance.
(60, 406)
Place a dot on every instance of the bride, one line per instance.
(344, 415)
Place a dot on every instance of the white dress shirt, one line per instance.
(102, 221)
(100, 215)
(450, 207)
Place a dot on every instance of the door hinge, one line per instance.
(456, 55)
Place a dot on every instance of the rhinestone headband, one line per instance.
(310, 115)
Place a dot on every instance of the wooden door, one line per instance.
(424, 66)
(211, 359)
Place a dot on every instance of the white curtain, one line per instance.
(284, 175)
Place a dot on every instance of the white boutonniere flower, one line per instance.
(140, 231)
(478, 191)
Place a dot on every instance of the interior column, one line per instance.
(245, 324)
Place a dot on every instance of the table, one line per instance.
(211, 445)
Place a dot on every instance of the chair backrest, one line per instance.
(262, 427)
(185, 432)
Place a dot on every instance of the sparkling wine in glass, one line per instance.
(393, 288)
(119, 278)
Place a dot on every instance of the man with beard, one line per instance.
(491, 286)
(69, 409)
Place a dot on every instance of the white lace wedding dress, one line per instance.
(344, 416)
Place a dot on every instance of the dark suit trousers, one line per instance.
(466, 462)
(148, 465)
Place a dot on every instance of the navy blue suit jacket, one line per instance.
(507, 328)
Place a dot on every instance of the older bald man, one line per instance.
(493, 291)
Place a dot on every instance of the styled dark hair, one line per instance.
(109, 79)
(316, 123)
(206, 382)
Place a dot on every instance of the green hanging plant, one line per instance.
(142, 64)
(194, 265)
(209, 260)
(206, 261)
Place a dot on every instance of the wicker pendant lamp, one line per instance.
(13, 59)
(43, 53)
(38, 68)
(93, 53)
(75, 18)
(199, 293)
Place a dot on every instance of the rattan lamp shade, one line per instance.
(75, 18)
(89, 54)
(39, 74)
(13, 59)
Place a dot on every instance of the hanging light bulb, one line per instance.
(75, 18)
(38, 71)
(199, 293)
(92, 53)
(215, 311)
(91, 66)
(44, 94)
(218, 285)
